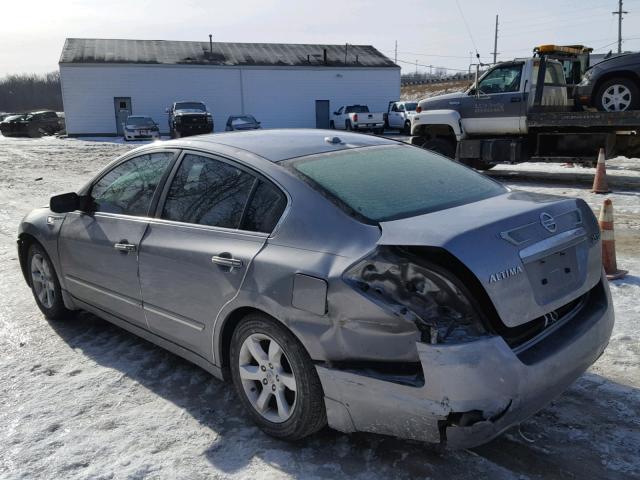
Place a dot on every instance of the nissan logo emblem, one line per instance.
(548, 222)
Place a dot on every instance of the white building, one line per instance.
(281, 85)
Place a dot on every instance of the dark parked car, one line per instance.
(612, 85)
(242, 122)
(189, 118)
(33, 124)
(353, 280)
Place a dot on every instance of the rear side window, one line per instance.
(265, 208)
(129, 187)
(208, 192)
(388, 183)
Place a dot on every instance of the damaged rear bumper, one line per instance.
(472, 391)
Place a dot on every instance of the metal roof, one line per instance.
(169, 52)
(282, 144)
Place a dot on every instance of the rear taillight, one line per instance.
(417, 290)
(418, 109)
(355, 117)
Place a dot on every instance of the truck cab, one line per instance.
(189, 118)
(519, 111)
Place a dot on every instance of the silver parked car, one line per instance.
(242, 122)
(353, 280)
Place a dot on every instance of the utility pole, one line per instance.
(620, 12)
(495, 42)
(396, 57)
(416, 67)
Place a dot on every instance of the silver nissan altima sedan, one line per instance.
(353, 281)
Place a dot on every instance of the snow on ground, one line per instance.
(84, 399)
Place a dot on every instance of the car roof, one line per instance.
(282, 144)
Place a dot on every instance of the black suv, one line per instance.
(189, 118)
(612, 85)
(33, 124)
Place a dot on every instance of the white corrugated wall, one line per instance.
(278, 97)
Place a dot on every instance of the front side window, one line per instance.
(208, 192)
(502, 80)
(129, 187)
(388, 183)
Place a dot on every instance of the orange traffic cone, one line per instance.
(608, 242)
(600, 180)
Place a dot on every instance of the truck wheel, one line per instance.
(332, 125)
(618, 95)
(407, 128)
(275, 379)
(441, 146)
(348, 126)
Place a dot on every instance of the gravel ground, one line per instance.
(84, 399)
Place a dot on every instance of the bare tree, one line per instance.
(29, 91)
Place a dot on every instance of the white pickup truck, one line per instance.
(399, 115)
(357, 117)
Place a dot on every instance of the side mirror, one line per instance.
(69, 202)
(166, 110)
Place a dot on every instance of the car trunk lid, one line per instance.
(532, 253)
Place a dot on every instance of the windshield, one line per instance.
(242, 119)
(410, 107)
(140, 121)
(388, 183)
(191, 106)
(357, 109)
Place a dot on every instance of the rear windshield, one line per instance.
(387, 183)
(357, 109)
(410, 107)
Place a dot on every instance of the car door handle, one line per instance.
(454, 103)
(226, 261)
(516, 99)
(125, 247)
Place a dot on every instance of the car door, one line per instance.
(196, 252)
(499, 105)
(395, 120)
(338, 121)
(99, 250)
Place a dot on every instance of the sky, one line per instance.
(439, 33)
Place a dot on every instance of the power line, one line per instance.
(416, 64)
(467, 27)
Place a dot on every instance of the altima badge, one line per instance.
(509, 272)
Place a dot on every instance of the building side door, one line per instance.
(322, 114)
(122, 106)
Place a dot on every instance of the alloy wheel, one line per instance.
(42, 280)
(616, 98)
(267, 377)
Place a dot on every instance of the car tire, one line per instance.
(45, 285)
(441, 146)
(618, 94)
(478, 164)
(280, 412)
(348, 126)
